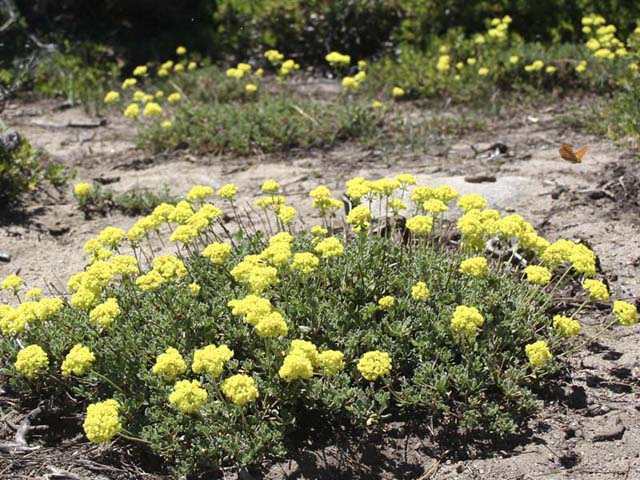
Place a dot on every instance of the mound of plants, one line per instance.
(245, 337)
(19, 166)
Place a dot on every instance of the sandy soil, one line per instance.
(588, 429)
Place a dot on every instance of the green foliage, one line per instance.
(79, 73)
(272, 123)
(137, 201)
(19, 169)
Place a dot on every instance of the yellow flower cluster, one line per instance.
(102, 422)
(228, 191)
(303, 357)
(386, 303)
(188, 396)
(420, 225)
(305, 262)
(217, 253)
(78, 361)
(211, 360)
(581, 258)
(359, 217)
(337, 58)
(199, 193)
(324, 202)
(165, 268)
(538, 275)
(419, 291)
(253, 272)
(375, 364)
(329, 247)
(331, 362)
(476, 267)
(169, 364)
(597, 290)
(32, 361)
(82, 190)
(471, 201)
(538, 353)
(105, 313)
(15, 320)
(12, 282)
(240, 389)
(625, 313)
(466, 320)
(566, 326)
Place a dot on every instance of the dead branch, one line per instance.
(25, 426)
(13, 15)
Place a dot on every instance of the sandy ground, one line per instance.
(590, 429)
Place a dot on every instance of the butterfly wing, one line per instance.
(580, 153)
(568, 154)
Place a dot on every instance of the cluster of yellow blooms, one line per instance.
(277, 59)
(476, 267)
(257, 273)
(102, 422)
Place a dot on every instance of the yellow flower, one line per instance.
(397, 92)
(476, 267)
(471, 201)
(12, 282)
(597, 290)
(105, 313)
(270, 186)
(228, 191)
(331, 362)
(420, 224)
(435, 206)
(78, 361)
(305, 262)
(188, 396)
(174, 98)
(307, 349)
(132, 111)
(217, 253)
(81, 190)
(287, 214)
(33, 294)
(211, 359)
(111, 97)
(139, 71)
(129, 82)
(538, 275)
(581, 67)
(386, 303)
(152, 109)
(375, 364)
(272, 326)
(336, 58)
(626, 313)
(32, 361)
(566, 326)
(111, 236)
(166, 124)
(169, 364)
(377, 104)
(483, 71)
(471, 61)
(550, 69)
(181, 50)
(240, 389)
(251, 88)
(419, 291)
(329, 247)
(466, 320)
(296, 366)
(102, 422)
(513, 59)
(199, 192)
(192, 66)
(359, 217)
(538, 353)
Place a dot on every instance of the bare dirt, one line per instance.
(588, 429)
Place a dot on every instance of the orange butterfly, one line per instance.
(569, 155)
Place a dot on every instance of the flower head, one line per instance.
(538, 353)
(537, 275)
(375, 364)
(476, 267)
(78, 361)
(240, 389)
(626, 313)
(597, 290)
(102, 422)
(466, 320)
(32, 361)
(169, 364)
(188, 396)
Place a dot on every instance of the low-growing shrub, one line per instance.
(213, 356)
(269, 124)
(19, 166)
